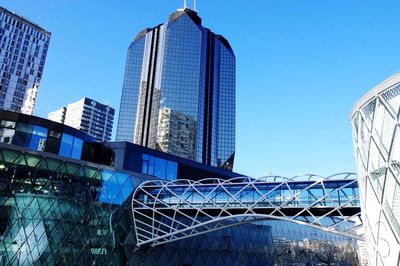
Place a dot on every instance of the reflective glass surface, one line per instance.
(38, 138)
(71, 146)
(179, 92)
(226, 108)
(172, 171)
(77, 148)
(66, 145)
(130, 91)
(262, 243)
(160, 168)
(55, 211)
(53, 142)
(23, 134)
(262, 195)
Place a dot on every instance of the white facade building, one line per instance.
(376, 134)
(23, 50)
(87, 115)
(58, 116)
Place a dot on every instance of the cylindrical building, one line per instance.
(376, 134)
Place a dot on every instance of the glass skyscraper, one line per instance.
(179, 91)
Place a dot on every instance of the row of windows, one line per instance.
(97, 112)
(40, 138)
(158, 167)
(24, 27)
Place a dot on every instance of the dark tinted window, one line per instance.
(53, 142)
(23, 135)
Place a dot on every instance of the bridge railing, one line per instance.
(249, 195)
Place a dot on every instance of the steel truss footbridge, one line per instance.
(166, 211)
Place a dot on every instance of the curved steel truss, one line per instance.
(166, 211)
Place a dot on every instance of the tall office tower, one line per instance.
(178, 94)
(87, 115)
(23, 49)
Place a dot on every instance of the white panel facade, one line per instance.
(57, 116)
(376, 134)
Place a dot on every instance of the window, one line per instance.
(38, 138)
(7, 124)
(7, 131)
(159, 167)
(53, 142)
(23, 135)
(71, 147)
(66, 145)
(172, 170)
(145, 164)
(6, 135)
(77, 148)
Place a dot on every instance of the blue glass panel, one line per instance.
(66, 145)
(145, 164)
(145, 167)
(23, 134)
(172, 170)
(151, 165)
(110, 187)
(130, 91)
(126, 185)
(221, 196)
(77, 148)
(38, 138)
(119, 199)
(160, 167)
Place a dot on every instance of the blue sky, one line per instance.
(301, 66)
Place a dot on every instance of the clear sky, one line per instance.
(301, 66)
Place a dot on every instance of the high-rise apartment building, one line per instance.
(87, 115)
(23, 49)
(58, 116)
(178, 94)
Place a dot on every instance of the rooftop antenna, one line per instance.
(186, 6)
